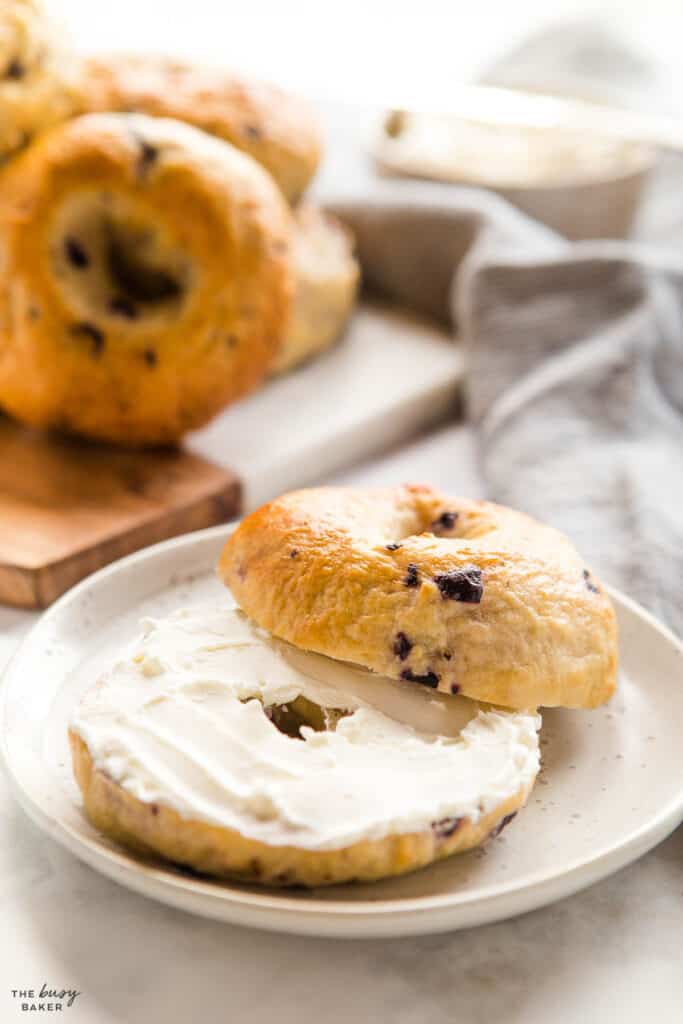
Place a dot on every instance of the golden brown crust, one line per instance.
(154, 828)
(326, 281)
(468, 596)
(277, 129)
(39, 82)
(147, 279)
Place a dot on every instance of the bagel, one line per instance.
(461, 596)
(146, 280)
(326, 282)
(39, 81)
(221, 749)
(277, 129)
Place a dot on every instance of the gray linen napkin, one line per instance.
(574, 378)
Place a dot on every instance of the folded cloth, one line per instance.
(574, 380)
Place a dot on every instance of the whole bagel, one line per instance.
(464, 596)
(277, 129)
(326, 277)
(39, 80)
(151, 829)
(146, 279)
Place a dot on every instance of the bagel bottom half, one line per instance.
(150, 829)
(221, 749)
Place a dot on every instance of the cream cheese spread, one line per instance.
(189, 719)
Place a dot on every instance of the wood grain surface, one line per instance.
(67, 508)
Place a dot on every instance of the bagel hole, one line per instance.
(135, 281)
(289, 718)
(115, 260)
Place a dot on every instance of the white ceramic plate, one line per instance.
(610, 789)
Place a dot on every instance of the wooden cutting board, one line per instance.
(68, 508)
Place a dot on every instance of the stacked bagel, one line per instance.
(370, 704)
(157, 260)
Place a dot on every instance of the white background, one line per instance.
(362, 50)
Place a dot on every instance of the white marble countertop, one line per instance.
(612, 953)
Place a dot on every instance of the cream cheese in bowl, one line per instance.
(582, 183)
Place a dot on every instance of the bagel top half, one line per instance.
(276, 128)
(146, 279)
(462, 596)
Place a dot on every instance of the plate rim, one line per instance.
(282, 912)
